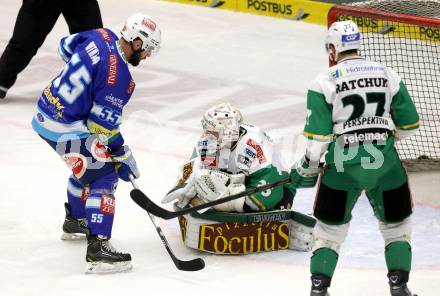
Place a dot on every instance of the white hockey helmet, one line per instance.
(223, 121)
(343, 36)
(142, 26)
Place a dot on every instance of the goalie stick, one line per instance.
(144, 202)
(191, 265)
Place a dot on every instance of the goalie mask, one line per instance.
(343, 36)
(146, 29)
(223, 122)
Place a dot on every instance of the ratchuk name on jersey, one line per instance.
(361, 83)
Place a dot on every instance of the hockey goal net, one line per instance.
(405, 35)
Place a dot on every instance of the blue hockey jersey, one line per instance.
(89, 94)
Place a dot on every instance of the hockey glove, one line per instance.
(211, 185)
(304, 174)
(183, 195)
(125, 163)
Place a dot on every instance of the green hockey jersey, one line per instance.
(356, 109)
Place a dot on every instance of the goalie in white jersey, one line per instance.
(356, 111)
(229, 157)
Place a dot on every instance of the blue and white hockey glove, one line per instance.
(125, 163)
(305, 174)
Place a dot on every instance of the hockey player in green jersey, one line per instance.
(357, 110)
(229, 157)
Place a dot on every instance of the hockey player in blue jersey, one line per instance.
(78, 115)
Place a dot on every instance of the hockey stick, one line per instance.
(191, 265)
(144, 202)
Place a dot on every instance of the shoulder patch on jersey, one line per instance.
(257, 147)
(93, 52)
(112, 69)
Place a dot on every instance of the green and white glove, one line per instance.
(305, 174)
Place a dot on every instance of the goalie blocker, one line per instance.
(247, 233)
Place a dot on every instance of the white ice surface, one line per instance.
(264, 66)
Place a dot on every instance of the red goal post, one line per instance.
(405, 37)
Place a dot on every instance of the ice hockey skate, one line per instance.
(103, 258)
(74, 229)
(397, 281)
(320, 285)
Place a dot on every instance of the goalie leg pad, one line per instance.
(300, 236)
(393, 232)
(246, 233)
(329, 236)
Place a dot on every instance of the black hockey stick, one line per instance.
(144, 202)
(191, 265)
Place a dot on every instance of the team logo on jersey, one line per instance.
(112, 69)
(260, 153)
(107, 204)
(76, 162)
(99, 151)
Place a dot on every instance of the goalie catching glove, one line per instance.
(210, 185)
